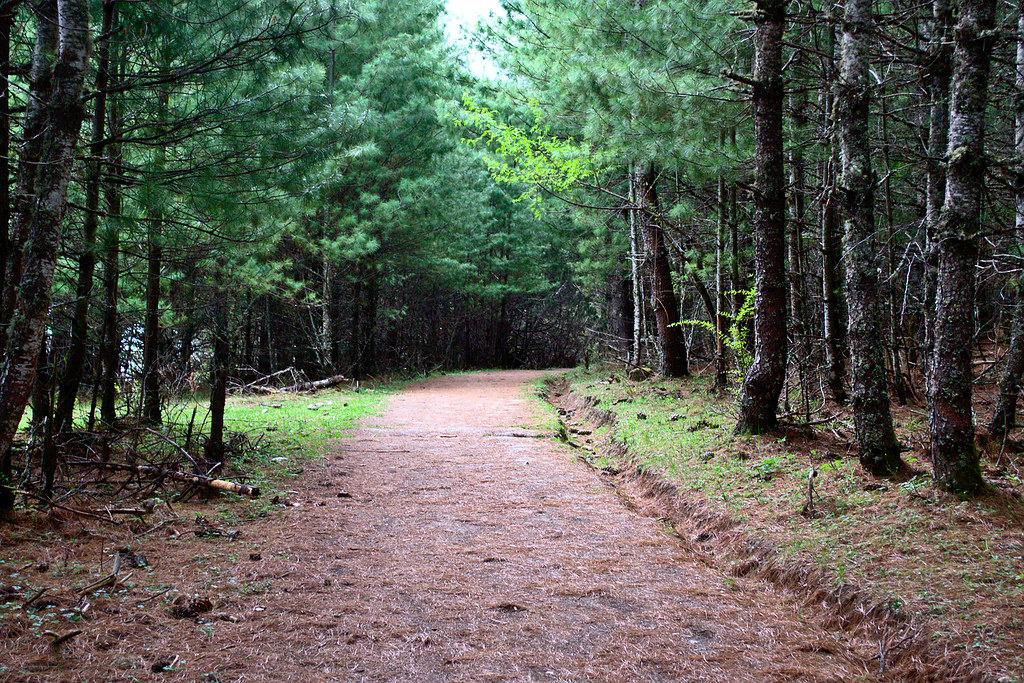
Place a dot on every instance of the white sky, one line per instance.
(462, 17)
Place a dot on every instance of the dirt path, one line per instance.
(470, 551)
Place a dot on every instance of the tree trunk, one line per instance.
(937, 75)
(876, 440)
(954, 456)
(151, 336)
(219, 379)
(635, 262)
(37, 113)
(663, 295)
(40, 216)
(721, 324)
(151, 413)
(6, 24)
(1004, 417)
(75, 364)
(832, 329)
(111, 351)
(797, 292)
(759, 399)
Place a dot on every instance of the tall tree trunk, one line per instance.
(663, 295)
(6, 24)
(832, 328)
(219, 378)
(75, 364)
(1005, 415)
(721, 323)
(635, 262)
(876, 439)
(797, 290)
(759, 399)
(40, 216)
(37, 113)
(42, 416)
(111, 351)
(151, 412)
(152, 333)
(938, 72)
(954, 456)
(357, 325)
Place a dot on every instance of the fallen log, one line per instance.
(317, 385)
(261, 382)
(188, 478)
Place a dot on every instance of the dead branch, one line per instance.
(194, 479)
(168, 440)
(317, 385)
(262, 388)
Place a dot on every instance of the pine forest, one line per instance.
(344, 288)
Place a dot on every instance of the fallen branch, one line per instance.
(35, 596)
(315, 386)
(58, 639)
(261, 382)
(194, 479)
(173, 443)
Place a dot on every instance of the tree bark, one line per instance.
(635, 263)
(1004, 416)
(151, 336)
(954, 456)
(759, 398)
(151, 413)
(663, 295)
(38, 217)
(37, 113)
(721, 323)
(937, 75)
(74, 366)
(876, 439)
(6, 24)
(219, 379)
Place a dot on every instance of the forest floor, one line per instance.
(448, 538)
(937, 582)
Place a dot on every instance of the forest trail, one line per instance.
(472, 548)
